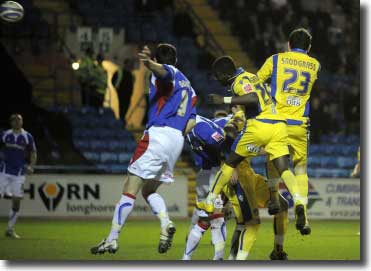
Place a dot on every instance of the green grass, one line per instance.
(71, 240)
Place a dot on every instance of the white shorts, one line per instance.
(156, 154)
(11, 185)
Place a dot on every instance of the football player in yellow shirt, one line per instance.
(264, 128)
(246, 195)
(292, 75)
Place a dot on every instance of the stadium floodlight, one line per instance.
(75, 65)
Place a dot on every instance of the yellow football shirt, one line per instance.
(246, 83)
(292, 76)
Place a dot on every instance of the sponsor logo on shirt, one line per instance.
(247, 88)
(217, 137)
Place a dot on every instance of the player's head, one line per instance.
(224, 69)
(16, 121)
(220, 114)
(166, 54)
(300, 38)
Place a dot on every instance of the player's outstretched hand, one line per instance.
(215, 99)
(145, 55)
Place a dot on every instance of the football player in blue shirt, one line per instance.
(209, 140)
(171, 115)
(18, 144)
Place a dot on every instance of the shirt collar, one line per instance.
(298, 50)
(21, 132)
(238, 71)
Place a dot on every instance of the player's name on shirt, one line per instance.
(299, 63)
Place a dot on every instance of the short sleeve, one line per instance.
(193, 113)
(242, 87)
(31, 143)
(266, 70)
(170, 73)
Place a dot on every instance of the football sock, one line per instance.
(158, 206)
(195, 218)
(222, 177)
(303, 189)
(247, 240)
(291, 183)
(120, 215)
(218, 236)
(280, 225)
(235, 240)
(193, 240)
(13, 215)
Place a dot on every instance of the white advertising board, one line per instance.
(90, 195)
(329, 199)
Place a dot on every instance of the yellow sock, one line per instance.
(291, 183)
(222, 177)
(280, 226)
(247, 239)
(303, 190)
(302, 181)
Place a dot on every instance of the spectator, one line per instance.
(123, 80)
(93, 79)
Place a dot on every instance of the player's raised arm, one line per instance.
(247, 100)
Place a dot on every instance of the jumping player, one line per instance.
(264, 129)
(293, 75)
(171, 115)
(19, 144)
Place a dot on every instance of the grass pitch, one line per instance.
(71, 240)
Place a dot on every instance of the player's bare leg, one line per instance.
(13, 215)
(122, 211)
(282, 166)
(273, 182)
(158, 207)
(280, 226)
(302, 177)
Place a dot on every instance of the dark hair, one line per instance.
(166, 54)
(224, 65)
(300, 38)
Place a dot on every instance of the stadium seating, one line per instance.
(100, 138)
(331, 158)
(151, 27)
(109, 146)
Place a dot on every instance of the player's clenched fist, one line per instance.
(215, 99)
